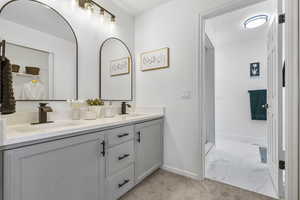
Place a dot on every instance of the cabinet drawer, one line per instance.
(121, 183)
(119, 135)
(119, 157)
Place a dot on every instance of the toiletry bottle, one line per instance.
(75, 108)
(109, 110)
(76, 114)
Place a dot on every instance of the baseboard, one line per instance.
(181, 172)
(147, 173)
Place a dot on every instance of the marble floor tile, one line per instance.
(239, 164)
(163, 185)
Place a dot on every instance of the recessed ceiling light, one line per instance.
(255, 21)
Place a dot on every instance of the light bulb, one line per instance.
(113, 19)
(89, 6)
(102, 11)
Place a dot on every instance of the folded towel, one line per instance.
(258, 100)
(7, 94)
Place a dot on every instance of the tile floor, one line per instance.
(238, 164)
(163, 185)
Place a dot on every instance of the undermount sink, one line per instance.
(59, 124)
(54, 125)
(133, 115)
(34, 128)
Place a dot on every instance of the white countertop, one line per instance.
(24, 133)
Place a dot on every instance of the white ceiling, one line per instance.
(136, 7)
(36, 16)
(229, 27)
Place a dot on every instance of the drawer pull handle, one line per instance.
(103, 148)
(123, 157)
(139, 137)
(123, 135)
(124, 183)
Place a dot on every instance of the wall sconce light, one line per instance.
(91, 5)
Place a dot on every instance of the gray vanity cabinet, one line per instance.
(149, 148)
(67, 169)
(95, 166)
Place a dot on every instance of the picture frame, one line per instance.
(255, 69)
(156, 59)
(120, 66)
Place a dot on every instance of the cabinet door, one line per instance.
(67, 169)
(149, 148)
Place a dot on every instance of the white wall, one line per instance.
(90, 32)
(233, 114)
(174, 25)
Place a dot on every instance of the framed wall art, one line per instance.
(254, 69)
(157, 59)
(120, 66)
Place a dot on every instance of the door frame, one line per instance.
(208, 46)
(292, 98)
(292, 94)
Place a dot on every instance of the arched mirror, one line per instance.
(42, 48)
(115, 71)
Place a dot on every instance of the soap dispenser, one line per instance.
(75, 108)
(109, 111)
(124, 106)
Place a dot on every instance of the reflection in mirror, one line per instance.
(42, 48)
(115, 71)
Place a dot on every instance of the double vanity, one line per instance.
(100, 159)
(79, 159)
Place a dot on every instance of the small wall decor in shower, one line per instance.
(254, 69)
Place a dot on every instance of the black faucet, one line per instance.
(43, 110)
(123, 108)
